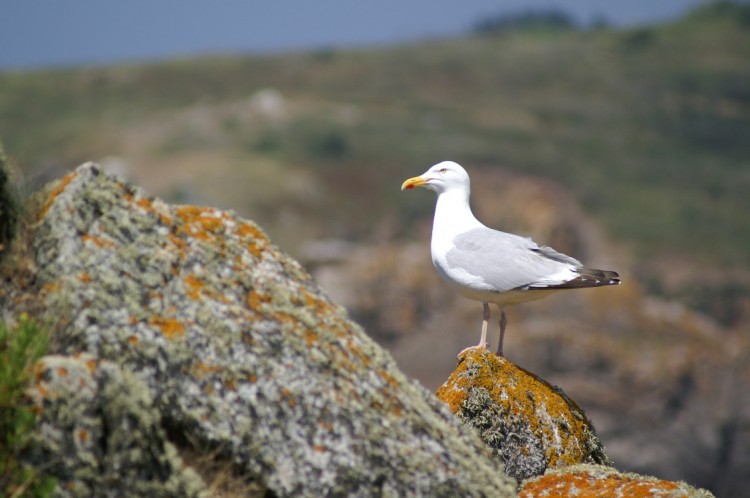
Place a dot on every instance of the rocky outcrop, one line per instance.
(184, 328)
(530, 425)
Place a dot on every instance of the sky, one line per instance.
(54, 33)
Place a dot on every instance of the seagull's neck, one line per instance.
(453, 215)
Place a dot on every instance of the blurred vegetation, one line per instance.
(540, 19)
(21, 345)
(647, 126)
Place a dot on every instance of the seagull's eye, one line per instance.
(444, 170)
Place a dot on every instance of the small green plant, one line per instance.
(21, 346)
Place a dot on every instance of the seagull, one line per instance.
(488, 265)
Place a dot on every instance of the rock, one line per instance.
(235, 348)
(102, 421)
(601, 481)
(530, 425)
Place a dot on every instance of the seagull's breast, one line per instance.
(455, 275)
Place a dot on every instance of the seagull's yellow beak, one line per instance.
(411, 183)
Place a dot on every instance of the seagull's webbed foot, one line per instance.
(481, 345)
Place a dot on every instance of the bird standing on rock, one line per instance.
(489, 265)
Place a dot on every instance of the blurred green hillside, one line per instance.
(648, 127)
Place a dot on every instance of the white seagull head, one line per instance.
(442, 177)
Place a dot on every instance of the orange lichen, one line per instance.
(453, 395)
(85, 278)
(285, 319)
(255, 299)
(62, 371)
(365, 360)
(587, 485)
(50, 287)
(42, 390)
(310, 337)
(200, 370)
(194, 286)
(133, 340)
(288, 397)
(83, 435)
(180, 244)
(248, 229)
(201, 223)
(59, 188)
(91, 365)
(170, 327)
(327, 425)
(155, 296)
(147, 204)
(100, 242)
(319, 305)
(390, 379)
(319, 448)
(341, 355)
(258, 239)
(196, 290)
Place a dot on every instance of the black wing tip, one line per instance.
(596, 278)
(590, 277)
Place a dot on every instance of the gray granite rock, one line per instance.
(235, 348)
(100, 433)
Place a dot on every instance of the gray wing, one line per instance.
(505, 261)
(550, 253)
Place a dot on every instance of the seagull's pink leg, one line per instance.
(483, 338)
(485, 323)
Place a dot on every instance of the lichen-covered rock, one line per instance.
(598, 481)
(529, 425)
(100, 434)
(239, 350)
